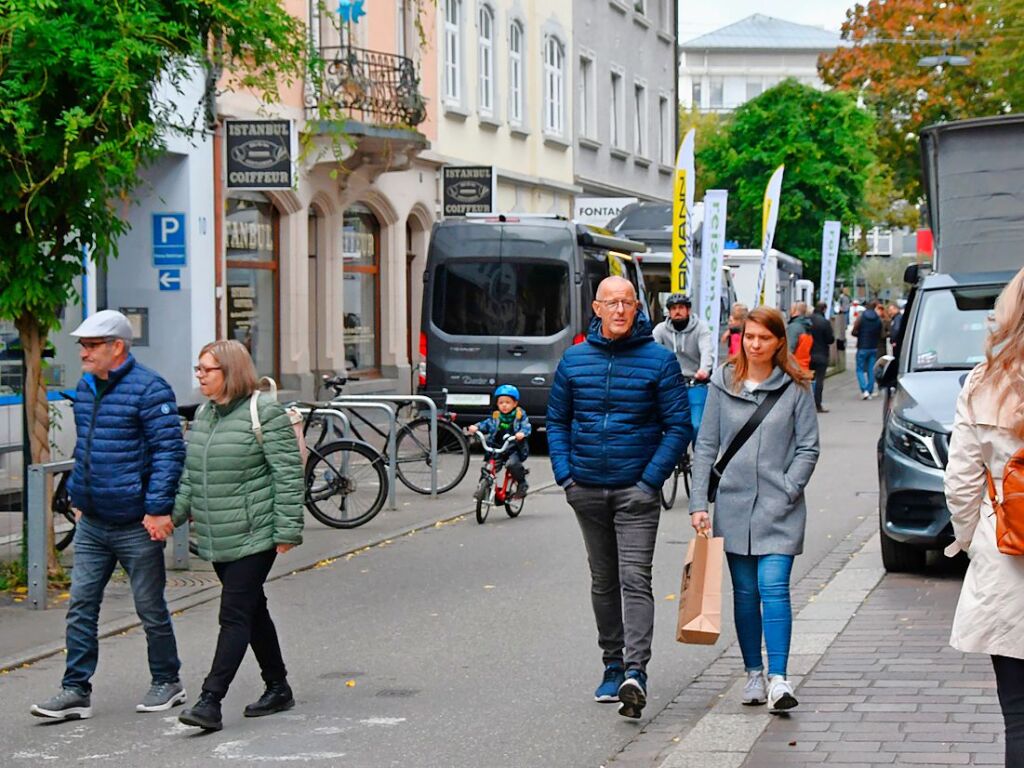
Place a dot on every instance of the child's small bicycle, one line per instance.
(489, 492)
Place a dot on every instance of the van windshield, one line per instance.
(490, 297)
(952, 327)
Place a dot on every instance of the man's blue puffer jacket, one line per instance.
(618, 413)
(129, 450)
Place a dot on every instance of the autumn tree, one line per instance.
(880, 65)
(827, 144)
(1001, 60)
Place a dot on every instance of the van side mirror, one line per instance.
(886, 371)
(911, 274)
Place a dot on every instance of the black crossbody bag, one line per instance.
(742, 436)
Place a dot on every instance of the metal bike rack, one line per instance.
(36, 531)
(339, 415)
(401, 400)
(392, 416)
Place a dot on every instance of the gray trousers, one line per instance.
(620, 526)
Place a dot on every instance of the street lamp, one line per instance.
(952, 60)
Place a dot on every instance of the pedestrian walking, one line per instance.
(823, 339)
(868, 331)
(798, 335)
(986, 455)
(760, 437)
(128, 458)
(689, 339)
(733, 335)
(895, 328)
(845, 303)
(243, 487)
(617, 420)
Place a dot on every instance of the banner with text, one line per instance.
(599, 210)
(829, 259)
(711, 255)
(468, 189)
(769, 218)
(682, 205)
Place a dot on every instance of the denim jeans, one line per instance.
(620, 527)
(1010, 687)
(697, 395)
(99, 547)
(761, 583)
(866, 369)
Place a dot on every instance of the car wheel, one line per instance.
(898, 557)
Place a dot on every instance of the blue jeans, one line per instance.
(866, 369)
(698, 395)
(761, 583)
(99, 547)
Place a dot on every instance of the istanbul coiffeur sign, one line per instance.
(259, 154)
(468, 189)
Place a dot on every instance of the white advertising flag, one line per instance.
(682, 205)
(711, 255)
(829, 257)
(769, 217)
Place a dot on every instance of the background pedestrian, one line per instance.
(868, 331)
(823, 338)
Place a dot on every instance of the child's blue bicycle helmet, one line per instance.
(509, 390)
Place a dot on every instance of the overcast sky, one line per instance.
(699, 16)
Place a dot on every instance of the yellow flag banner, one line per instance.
(769, 218)
(682, 204)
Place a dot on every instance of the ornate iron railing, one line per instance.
(375, 87)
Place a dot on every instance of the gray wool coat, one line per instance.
(760, 509)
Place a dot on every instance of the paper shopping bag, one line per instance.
(700, 596)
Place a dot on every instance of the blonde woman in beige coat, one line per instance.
(988, 430)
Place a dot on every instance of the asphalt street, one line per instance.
(460, 645)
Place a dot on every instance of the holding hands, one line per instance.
(159, 527)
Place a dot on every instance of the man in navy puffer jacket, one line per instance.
(618, 419)
(128, 460)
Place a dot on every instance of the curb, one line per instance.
(209, 593)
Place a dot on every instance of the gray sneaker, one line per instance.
(161, 697)
(69, 704)
(755, 691)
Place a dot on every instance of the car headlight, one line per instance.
(914, 441)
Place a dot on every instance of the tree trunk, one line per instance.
(33, 342)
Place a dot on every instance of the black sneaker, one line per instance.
(204, 714)
(633, 694)
(277, 698)
(69, 704)
(521, 490)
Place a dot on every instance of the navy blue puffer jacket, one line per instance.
(129, 452)
(618, 413)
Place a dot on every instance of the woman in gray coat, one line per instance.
(760, 509)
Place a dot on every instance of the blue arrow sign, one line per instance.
(169, 279)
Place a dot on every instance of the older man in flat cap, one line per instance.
(128, 460)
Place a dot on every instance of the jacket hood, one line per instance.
(804, 321)
(114, 376)
(723, 379)
(640, 333)
(691, 327)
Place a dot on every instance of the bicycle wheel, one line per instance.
(413, 447)
(60, 505)
(685, 471)
(669, 489)
(514, 506)
(345, 484)
(483, 501)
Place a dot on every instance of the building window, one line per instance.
(485, 62)
(251, 261)
(640, 121)
(360, 242)
(452, 51)
(717, 92)
(664, 131)
(515, 73)
(640, 6)
(587, 98)
(554, 87)
(666, 15)
(695, 93)
(754, 89)
(616, 106)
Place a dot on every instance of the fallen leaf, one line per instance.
(670, 597)
(350, 683)
(488, 586)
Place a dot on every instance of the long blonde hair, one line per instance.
(1004, 351)
(240, 377)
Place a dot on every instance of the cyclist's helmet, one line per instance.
(678, 299)
(508, 390)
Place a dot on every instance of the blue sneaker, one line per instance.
(633, 694)
(608, 691)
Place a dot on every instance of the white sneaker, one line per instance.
(754, 692)
(780, 695)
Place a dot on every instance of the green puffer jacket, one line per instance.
(243, 497)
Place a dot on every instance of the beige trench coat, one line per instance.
(990, 614)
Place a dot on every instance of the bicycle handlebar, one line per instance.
(337, 383)
(509, 439)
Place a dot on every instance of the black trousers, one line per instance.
(244, 621)
(1010, 687)
(819, 381)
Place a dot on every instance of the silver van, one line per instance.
(503, 297)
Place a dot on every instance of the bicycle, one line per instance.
(412, 445)
(683, 467)
(489, 493)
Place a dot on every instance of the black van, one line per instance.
(503, 297)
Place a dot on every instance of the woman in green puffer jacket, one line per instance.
(246, 500)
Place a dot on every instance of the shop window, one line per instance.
(251, 243)
(360, 288)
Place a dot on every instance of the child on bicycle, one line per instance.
(509, 419)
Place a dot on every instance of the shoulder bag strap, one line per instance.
(254, 416)
(748, 429)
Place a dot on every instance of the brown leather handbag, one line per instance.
(1009, 510)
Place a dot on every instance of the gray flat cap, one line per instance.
(105, 324)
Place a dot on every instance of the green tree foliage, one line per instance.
(827, 144)
(707, 125)
(1001, 59)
